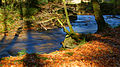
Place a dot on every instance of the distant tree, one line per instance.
(98, 16)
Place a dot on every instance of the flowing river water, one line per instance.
(49, 41)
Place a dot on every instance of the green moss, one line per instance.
(69, 42)
(1, 64)
(43, 58)
(70, 53)
(62, 48)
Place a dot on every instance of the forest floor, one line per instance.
(102, 50)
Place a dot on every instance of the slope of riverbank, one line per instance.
(103, 50)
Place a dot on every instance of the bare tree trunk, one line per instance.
(98, 16)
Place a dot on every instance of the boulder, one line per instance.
(68, 42)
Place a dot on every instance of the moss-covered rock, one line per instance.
(68, 42)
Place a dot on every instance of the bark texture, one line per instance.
(102, 25)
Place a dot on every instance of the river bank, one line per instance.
(103, 50)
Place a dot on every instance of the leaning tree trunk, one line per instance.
(67, 17)
(98, 16)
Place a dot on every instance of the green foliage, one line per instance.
(43, 58)
(1, 64)
(22, 52)
(82, 42)
(42, 1)
(30, 11)
(8, 16)
(1, 19)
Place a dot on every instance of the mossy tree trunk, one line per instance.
(68, 21)
(69, 40)
(98, 16)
